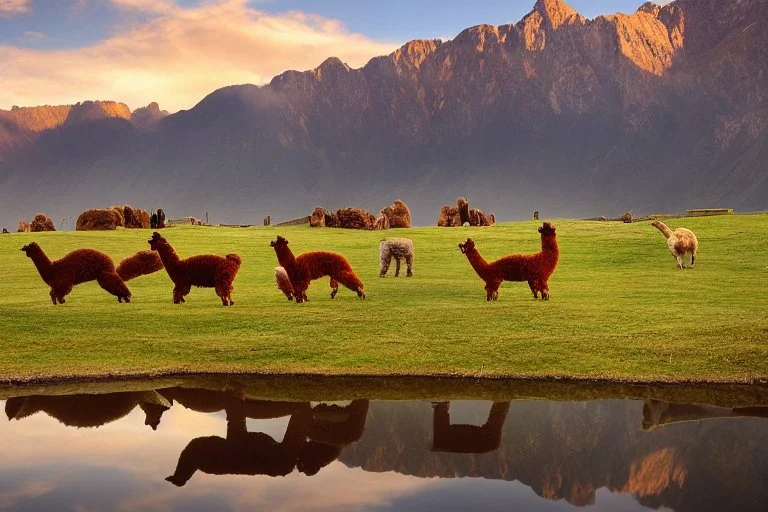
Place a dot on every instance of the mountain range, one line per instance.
(661, 110)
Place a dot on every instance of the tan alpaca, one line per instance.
(680, 242)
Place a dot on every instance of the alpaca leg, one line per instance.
(112, 283)
(384, 262)
(351, 281)
(224, 291)
(693, 258)
(397, 266)
(334, 287)
(409, 265)
(679, 259)
(301, 291)
(533, 288)
(544, 287)
(179, 292)
(59, 291)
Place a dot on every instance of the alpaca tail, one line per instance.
(140, 264)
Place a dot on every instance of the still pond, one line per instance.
(189, 449)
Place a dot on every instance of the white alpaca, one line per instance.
(395, 248)
(680, 242)
(283, 282)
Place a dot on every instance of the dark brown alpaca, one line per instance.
(314, 265)
(205, 271)
(533, 268)
(79, 266)
(140, 264)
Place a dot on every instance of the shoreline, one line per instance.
(402, 387)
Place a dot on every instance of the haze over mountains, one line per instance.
(661, 110)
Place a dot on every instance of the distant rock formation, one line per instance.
(113, 217)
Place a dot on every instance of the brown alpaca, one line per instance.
(205, 271)
(140, 264)
(533, 268)
(463, 206)
(680, 242)
(314, 265)
(283, 282)
(79, 266)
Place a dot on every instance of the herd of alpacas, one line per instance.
(295, 273)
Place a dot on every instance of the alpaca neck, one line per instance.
(549, 246)
(285, 258)
(664, 229)
(478, 262)
(168, 256)
(43, 264)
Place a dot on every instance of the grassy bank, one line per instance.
(620, 309)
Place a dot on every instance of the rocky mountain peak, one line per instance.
(556, 12)
(145, 117)
(93, 110)
(413, 53)
(332, 66)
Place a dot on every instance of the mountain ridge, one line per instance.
(557, 113)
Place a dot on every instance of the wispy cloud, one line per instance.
(31, 35)
(10, 8)
(177, 55)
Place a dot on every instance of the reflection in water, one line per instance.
(89, 410)
(661, 454)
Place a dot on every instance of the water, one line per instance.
(203, 450)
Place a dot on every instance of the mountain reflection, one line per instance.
(661, 453)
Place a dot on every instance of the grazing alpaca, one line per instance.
(283, 282)
(395, 248)
(79, 266)
(680, 242)
(140, 264)
(534, 268)
(313, 265)
(205, 271)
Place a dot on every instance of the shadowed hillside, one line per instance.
(660, 110)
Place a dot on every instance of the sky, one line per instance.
(175, 52)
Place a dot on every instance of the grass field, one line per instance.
(620, 309)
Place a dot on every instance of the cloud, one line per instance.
(31, 35)
(10, 7)
(177, 55)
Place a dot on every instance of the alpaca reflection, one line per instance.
(333, 427)
(89, 410)
(657, 413)
(468, 438)
(313, 439)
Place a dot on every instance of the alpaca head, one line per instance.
(547, 229)
(30, 249)
(279, 242)
(467, 246)
(156, 241)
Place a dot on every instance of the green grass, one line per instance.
(620, 309)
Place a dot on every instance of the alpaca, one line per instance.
(534, 268)
(463, 206)
(680, 242)
(140, 264)
(395, 248)
(313, 265)
(283, 282)
(79, 266)
(205, 271)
